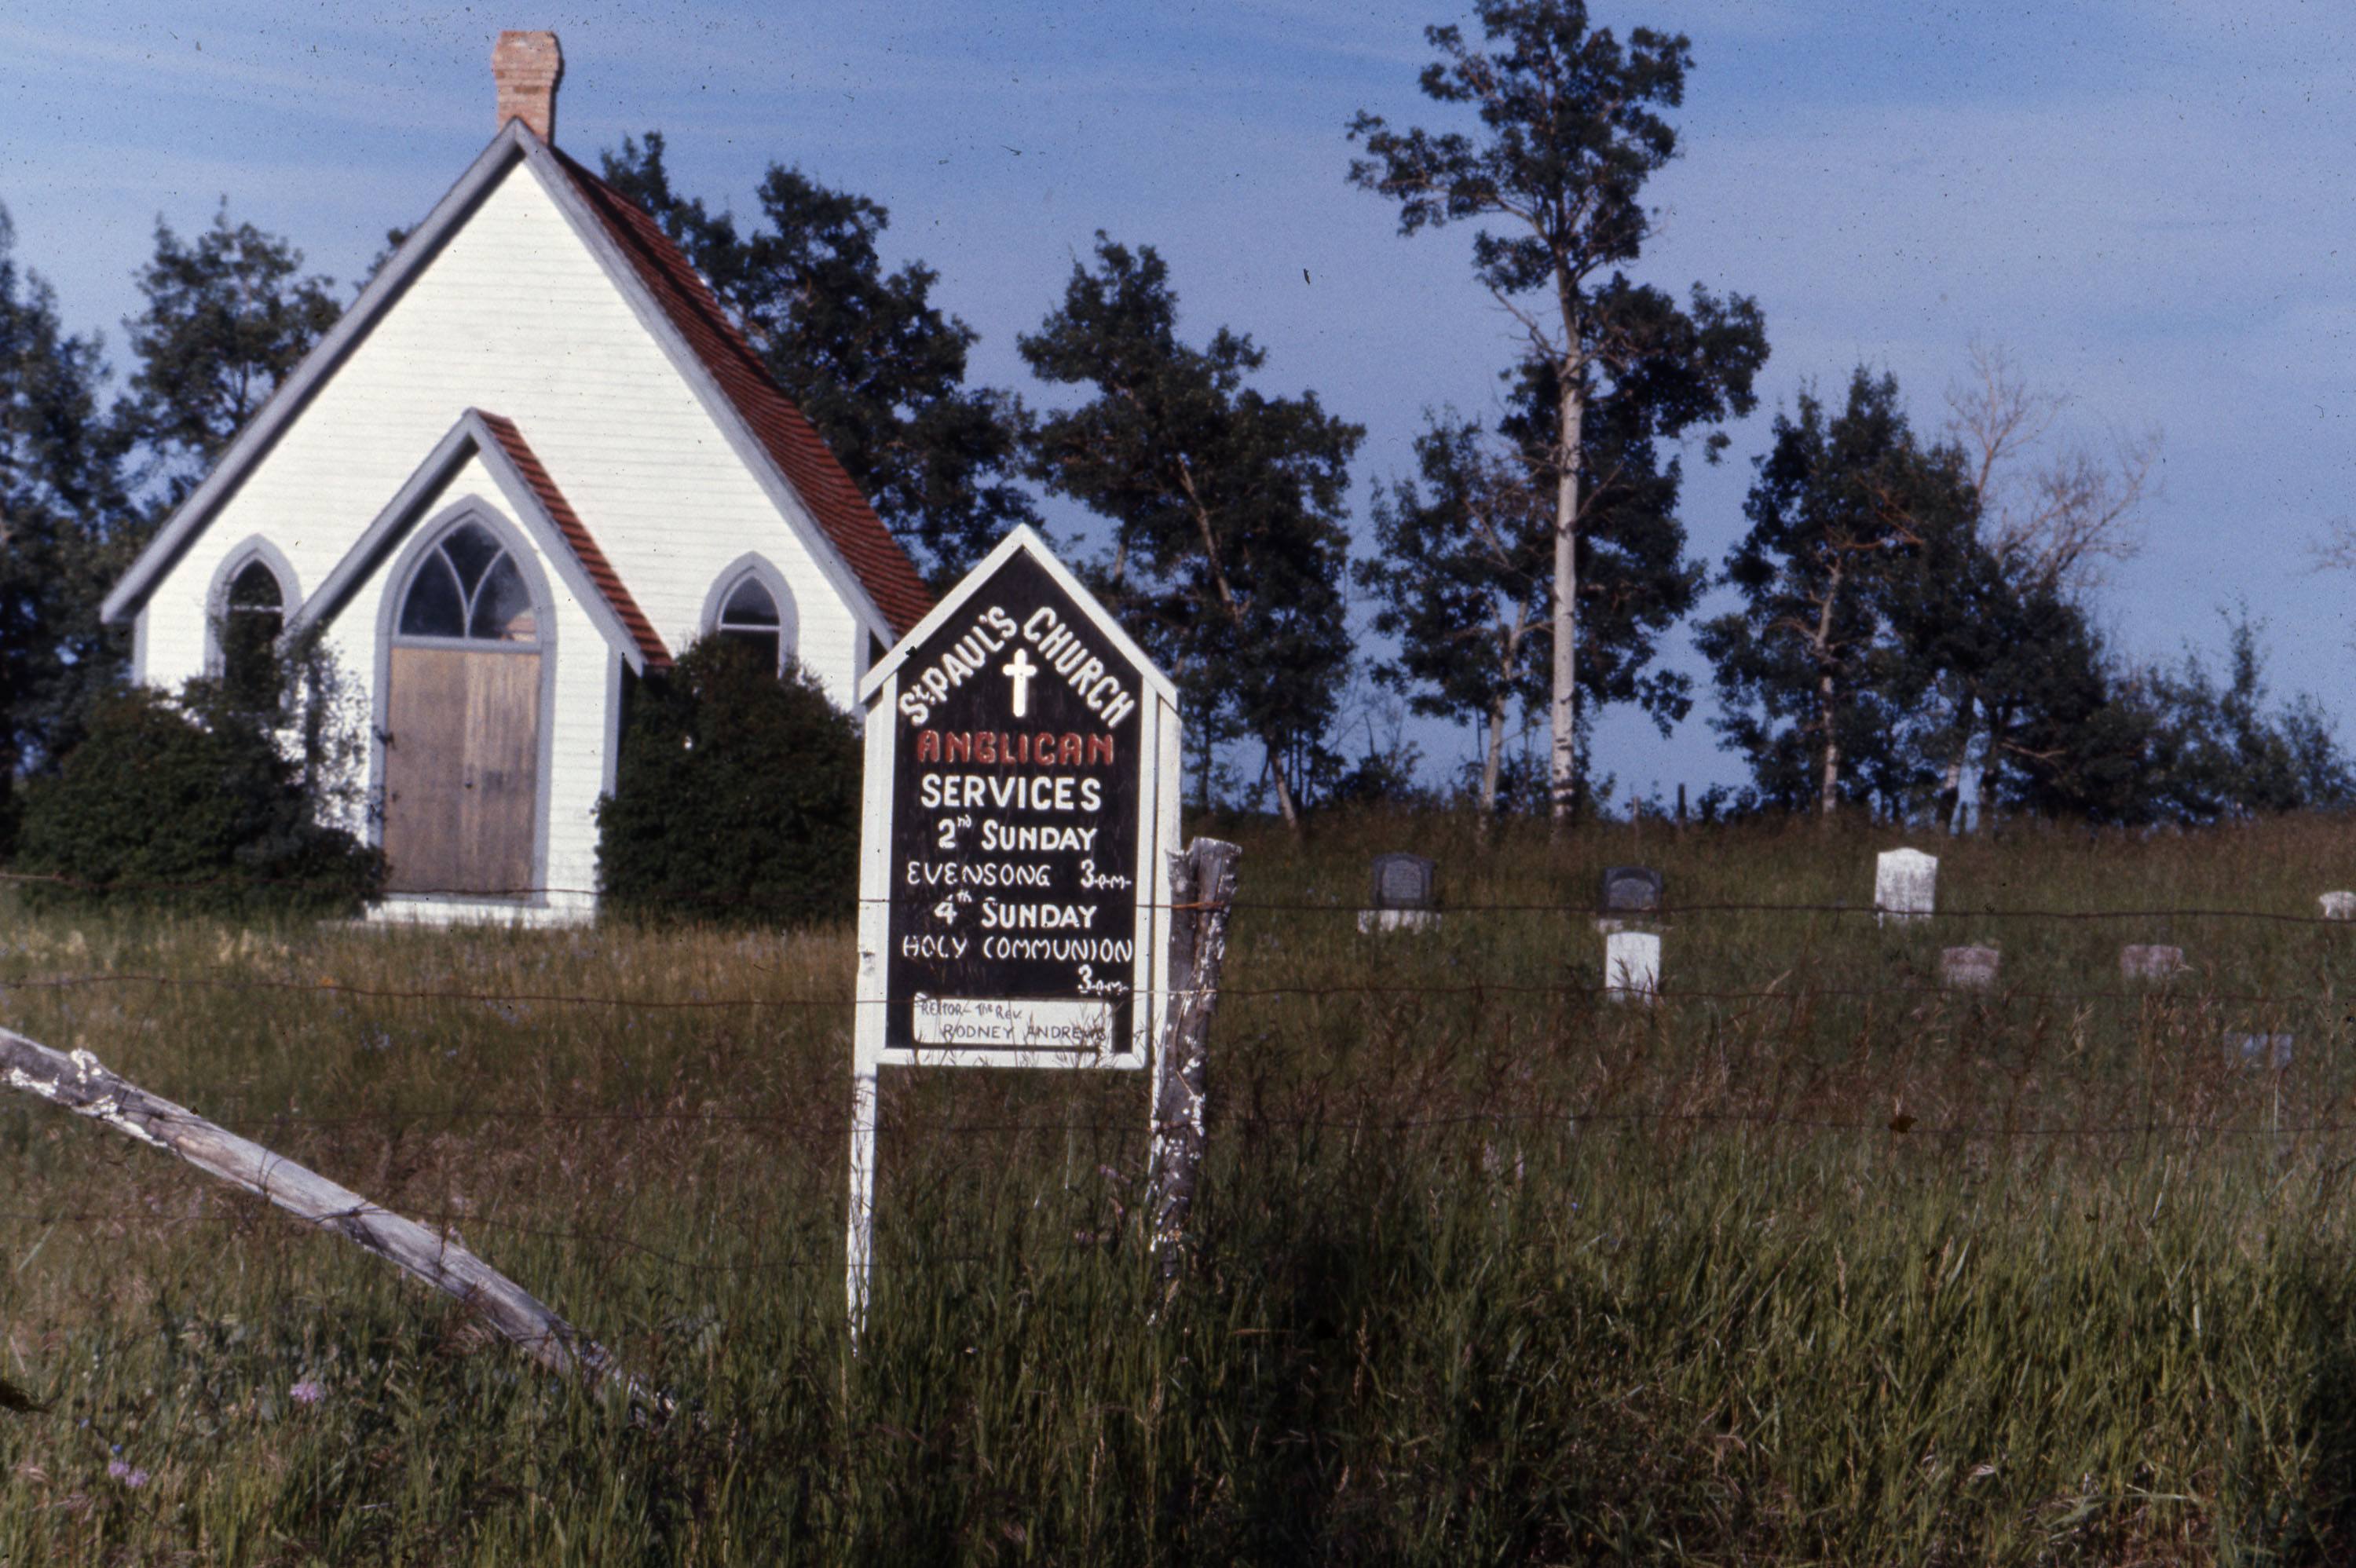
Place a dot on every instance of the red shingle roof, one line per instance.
(584, 549)
(784, 431)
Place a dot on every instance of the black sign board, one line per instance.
(1404, 882)
(1633, 890)
(1014, 848)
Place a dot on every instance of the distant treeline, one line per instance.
(1915, 634)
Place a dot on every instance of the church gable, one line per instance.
(531, 461)
(537, 291)
(485, 455)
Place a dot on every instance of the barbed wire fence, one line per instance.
(2190, 997)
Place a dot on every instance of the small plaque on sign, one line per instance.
(1633, 890)
(1405, 881)
(1018, 1024)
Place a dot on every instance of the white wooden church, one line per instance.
(532, 461)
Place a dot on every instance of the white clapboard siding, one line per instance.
(518, 317)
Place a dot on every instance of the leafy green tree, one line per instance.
(2180, 744)
(1227, 505)
(1459, 578)
(64, 524)
(1892, 618)
(877, 367)
(228, 317)
(736, 796)
(1812, 674)
(1569, 132)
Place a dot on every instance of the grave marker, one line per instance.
(1629, 893)
(2338, 906)
(2260, 1050)
(1633, 890)
(1905, 885)
(1632, 966)
(1022, 805)
(1968, 969)
(2141, 961)
(1404, 893)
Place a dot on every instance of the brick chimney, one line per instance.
(527, 66)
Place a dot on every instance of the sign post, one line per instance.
(1021, 801)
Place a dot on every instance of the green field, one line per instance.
(1813, 1261)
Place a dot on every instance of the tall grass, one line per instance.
(1813, 1261)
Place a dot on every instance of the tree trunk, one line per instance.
(1828, 788)
(1236, 617)
(1562, 769)
(1492, 762)
(1951, 778)
(1984, 811)
(1828, 699)
(1283, 790)
(1203, 751)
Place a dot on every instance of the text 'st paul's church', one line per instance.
(534, 459)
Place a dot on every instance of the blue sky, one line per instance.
(2145, 203)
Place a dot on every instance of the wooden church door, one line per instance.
(462, 724)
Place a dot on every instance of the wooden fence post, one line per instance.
(1202, 887)
(81, 1084)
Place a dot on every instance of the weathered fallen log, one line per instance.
(81, 1084)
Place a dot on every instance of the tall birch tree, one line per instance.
(1569, 132)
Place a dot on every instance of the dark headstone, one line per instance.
(1405, 881)
(1633, 890)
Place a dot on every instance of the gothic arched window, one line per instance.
(253, 613)
(749, 618)
(468, 589)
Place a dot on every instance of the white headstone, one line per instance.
(2263, 1049)
(1905, 885)
(1632, 966)
(2147, 962)
(2338, 906)
(1968, 969)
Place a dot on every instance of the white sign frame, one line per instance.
(1157, 840)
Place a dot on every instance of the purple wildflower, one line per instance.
(307, 1391)
(118, 1470)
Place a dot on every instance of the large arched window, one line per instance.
(751, 608)
(253, 616)
(467, 589)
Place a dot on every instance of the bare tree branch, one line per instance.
(2055, 516)
(2336, 550)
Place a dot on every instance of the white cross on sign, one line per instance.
(1022, 669)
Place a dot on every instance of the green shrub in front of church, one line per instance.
(736, 796)
(197, 801)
